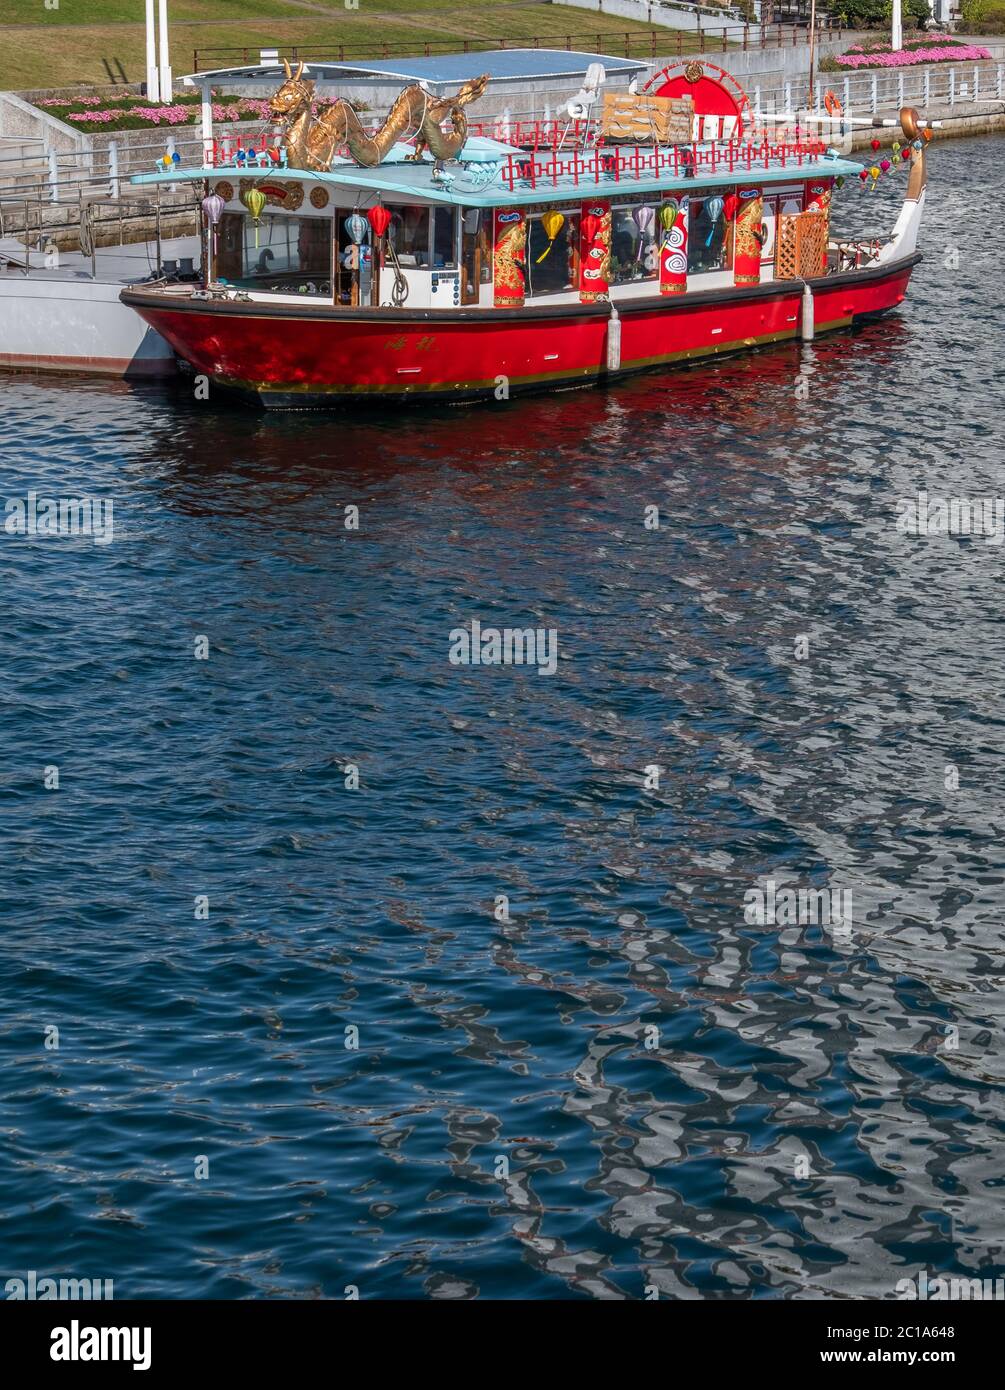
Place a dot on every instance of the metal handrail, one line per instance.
(875, 89)
(638, 43)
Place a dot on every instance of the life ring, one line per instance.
(832, 106)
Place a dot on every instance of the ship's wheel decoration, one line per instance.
(713, 90)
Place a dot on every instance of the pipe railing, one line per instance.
(654, 43)
(682, 161)
(942, 85)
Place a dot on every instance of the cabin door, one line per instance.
(476, 262)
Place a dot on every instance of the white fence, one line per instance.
(944, 86)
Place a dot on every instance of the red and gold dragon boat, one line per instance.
(425, 261)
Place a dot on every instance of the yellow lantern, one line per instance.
(552, 222)
(254, 201)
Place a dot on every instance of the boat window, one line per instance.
(444, 238)
(283, 254)
(633, 244)
(409, 234)
(552, 262)
(706, 239)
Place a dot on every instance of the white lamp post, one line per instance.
(897, 36)
(165, 58)
(153, 86)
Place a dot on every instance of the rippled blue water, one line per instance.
(506, 1127)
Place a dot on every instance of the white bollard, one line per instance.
(614, 340)
(806, 315)
(53, 176)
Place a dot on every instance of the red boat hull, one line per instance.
(291, 358)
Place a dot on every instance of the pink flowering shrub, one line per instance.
(132, 112)
(954, 53)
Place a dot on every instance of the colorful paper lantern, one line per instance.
(212, 206)
(357, 227)
(876, 144)
(552, 222)
(379, 219)
(254, 201)
(668, 213)
(714, 208)
(643, 217)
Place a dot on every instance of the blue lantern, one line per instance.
(357, 227)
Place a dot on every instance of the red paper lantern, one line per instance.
(863, 174)
(378, 218)
(905, 154)
(274, 154)
(876, 144)
(729, 206)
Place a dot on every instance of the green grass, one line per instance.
(89, 41)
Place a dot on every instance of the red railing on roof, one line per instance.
(528, 169)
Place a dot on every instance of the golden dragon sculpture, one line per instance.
(311, 141)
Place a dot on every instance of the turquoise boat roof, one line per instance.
(476, 180)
